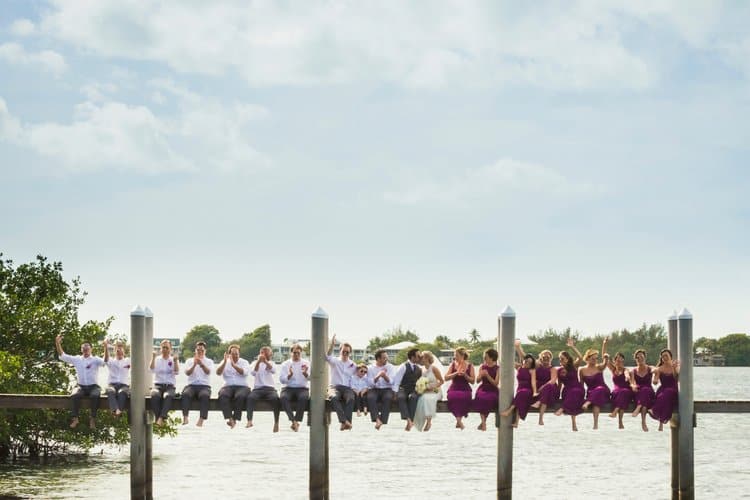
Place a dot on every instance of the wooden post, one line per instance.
(687, 415)
(148, 346)
(505, 340)
(319, 488)
(674, 435)
(137, 404)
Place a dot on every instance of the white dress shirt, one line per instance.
(341, 371)
(199, 377)
(118, 370)
(390, 370)
(232, 376)
(87, 369)
(358, 383)
(164, 371)
(264, 375)
(297, 379)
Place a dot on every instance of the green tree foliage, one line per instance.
(736, 349)
(443, 342)
(208, 334)
(474, 336)
(36, 304)
(711, 345)
(393, 336)
(251, 342)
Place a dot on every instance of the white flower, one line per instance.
(421, 385)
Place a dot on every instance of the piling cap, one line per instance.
(148, 312)
(685, 314)
(508, 312)
(673, 316)
(320, 313)
(137, 311)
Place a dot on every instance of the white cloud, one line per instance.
(10, 127)
(503, 177)
(22, 27)
(412, 44)
(98, 92)
(47, 60)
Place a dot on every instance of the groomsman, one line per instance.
(265, 387)
(406, 381)
(87, 372)
(233, 396)
(342, 370)
(198, 369)
(118, 389)
(294, 374)
(381, 376)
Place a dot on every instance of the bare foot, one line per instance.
(636, 411)
(118, 412)
(559, 412)
(92, 423)
(249, 424)
(199, 423)
(159, 422)
(644, 427)
(613, 414)
(596, 427)
(536, 405)
(575, 428)
(347, 426)
(342, 426)
(231, 423)
(505, 413)
(409, 425)
(74, 423)
(378, 424)
(359, 413)
(620, 426)
(461, 425)
(515, 424)
(427, 425)
(184, 420)
(541, 421)
(585, 405)
(276, 427)
(661, 426)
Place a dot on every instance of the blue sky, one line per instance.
(415, 164)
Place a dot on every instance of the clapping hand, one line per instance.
(304, 370)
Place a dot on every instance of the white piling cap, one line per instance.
(685, 314)
(148, 312)
(508, 312)
(320, 313)
(673, 316)
(137, 311)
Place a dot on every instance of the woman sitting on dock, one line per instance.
(597, 392)
(485, 400)
(644, 391)
(666, 374)
(461, 373)
(572, 392)
(526, 390)
(546, 383)
(622, 393)
(427, 402)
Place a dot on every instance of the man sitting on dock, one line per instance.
(342, 370)
(406, 381)
(265, 387)
(198, 369)
(118, 389)
(294, 374)
(87, 372)
(381, 376)
(233, 396)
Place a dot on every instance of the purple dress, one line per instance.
(524, 392)
(597, 391)
(622, 394)
(572, 393)
(666, 398)
(459, 395)
(485, 400)
(645, 395)
(548, 393)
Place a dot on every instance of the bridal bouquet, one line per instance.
(422, 384)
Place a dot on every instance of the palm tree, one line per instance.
(474, 336)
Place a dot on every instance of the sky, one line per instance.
(413, 164)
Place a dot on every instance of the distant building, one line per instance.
(176, 345)
(705, 357)
(394, 349)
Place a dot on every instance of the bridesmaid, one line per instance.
(461, 375)
(526, 390)
(572, 392)
(546, 382)
(622, 394)
(485, 400)
(641, 383)
(666, 374)
(597, 392)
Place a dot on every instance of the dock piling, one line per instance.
(137, 404)
(319, 478)
(505, 340)
(686, 405)
(674, 435)
(148, 423)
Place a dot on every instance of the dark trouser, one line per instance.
(117, 396)
(298, 395)
(161, 399)
(232, 400)
(92, 392)
(263, 394)
(379, 403)
(343, 411)
(360, 402)
(407, 404)
(202, 392)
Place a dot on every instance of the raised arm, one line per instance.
(519, 348)
(223, 364)
(153, 360)
(572, 344)
(330, 347)
(605, 357)
(105, 344)
(58, 345)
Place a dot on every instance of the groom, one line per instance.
(406, 379)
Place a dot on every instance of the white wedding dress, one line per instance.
(427, 402)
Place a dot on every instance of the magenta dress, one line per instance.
(524, 392)
(622, 394)
(666, 398)
(459, 396)
(485, 400)
(548, 393)
(597, 392)
(572, 393)
(645, 395)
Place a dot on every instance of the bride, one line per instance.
(427, 403)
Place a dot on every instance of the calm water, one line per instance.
(443, 463)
